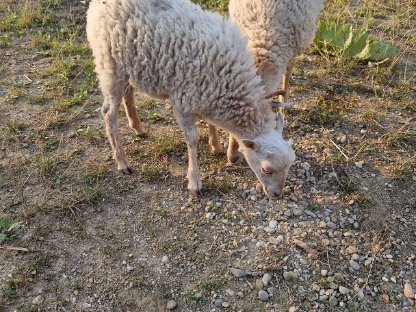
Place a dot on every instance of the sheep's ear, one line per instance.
(280, 123)
(249, 144)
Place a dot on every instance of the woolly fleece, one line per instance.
(173, 49)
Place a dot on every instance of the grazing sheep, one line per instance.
(173, 49)
(277, 31)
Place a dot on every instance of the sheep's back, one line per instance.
(174, 48)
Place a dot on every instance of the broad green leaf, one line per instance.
(5, 223)
(333, 38)
(377, 51)
(2, 237)
(341, 39)
(358, 44)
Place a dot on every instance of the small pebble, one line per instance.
(343, 290)
(37, 300)
(266, 279)
(354, 265)
(238, 273)
(297, 212)
(290, 276)
(385, 298)
(218, 303)
(263, 296)
(408, 291)
(260, 244)
(333, 301)
(351, 249)
(273, 224)
(359, 164)
(230, 292)
(259, 284)
(171, 305)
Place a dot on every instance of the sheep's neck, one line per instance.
(258, 121)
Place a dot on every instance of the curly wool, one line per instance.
(173, 49)
(277, 31)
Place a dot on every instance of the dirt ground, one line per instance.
(90, 239)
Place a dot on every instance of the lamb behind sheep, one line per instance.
(277, 31)
(173, 49)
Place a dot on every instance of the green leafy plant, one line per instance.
(196, 297)
(153, 116)
(7, 228)
(342, 39)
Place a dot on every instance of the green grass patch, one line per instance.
(8, 228)
(14, 126)
(162, 145)
(152, 173)
(217, 5)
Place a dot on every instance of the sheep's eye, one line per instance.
(265, 171)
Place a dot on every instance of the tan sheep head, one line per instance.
(270, 157)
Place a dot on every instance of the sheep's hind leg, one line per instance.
(214, 141)
(131, 111)
(110, 110)
(187, 124)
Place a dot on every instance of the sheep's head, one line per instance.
(270, 157)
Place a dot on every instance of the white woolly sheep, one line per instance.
(173, 49)
(277, 31)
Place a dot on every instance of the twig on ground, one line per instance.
(30, 80)
(14, 248)
(339, 148)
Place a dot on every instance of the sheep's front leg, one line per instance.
(286, 83)
(233, 154)
(187, 124)
(214, 140)
(109, 111)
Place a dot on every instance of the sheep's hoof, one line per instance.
(195, 187)
(196, 192)
(125, 169)
(142, 134)
(217, 152)
(237, 157)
